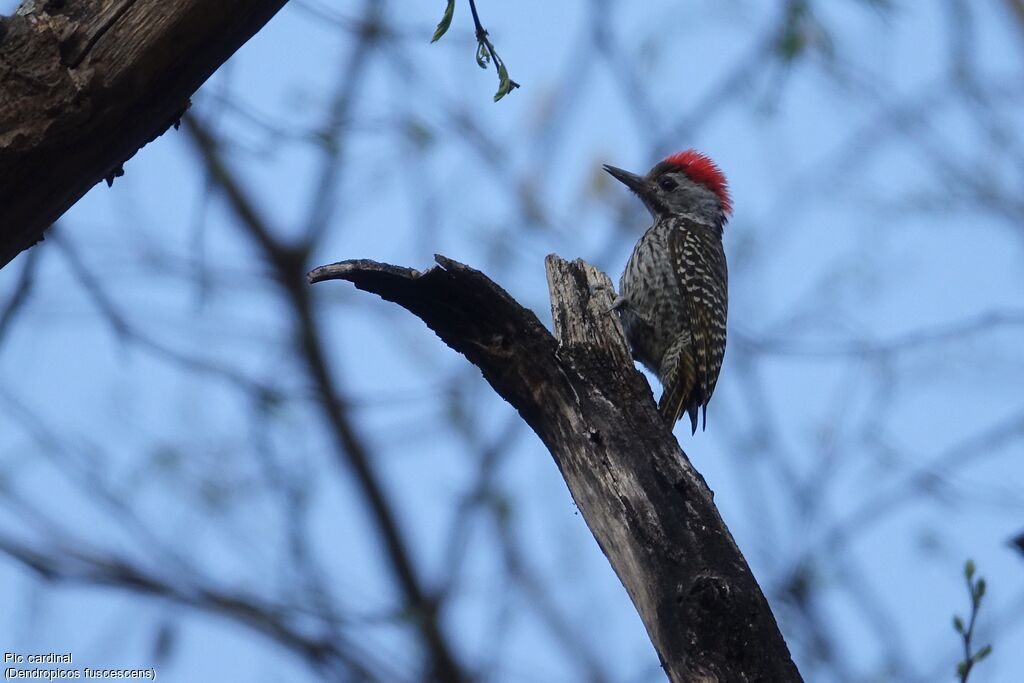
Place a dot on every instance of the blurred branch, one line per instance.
(78, 466)
(16, 301)
(625, 71)
(539, 595)
(126, 332)
(652, 516)
(986, 443)
(1017, 542)
(731, 86)
(485, 493)
(349, 81)
(74, 565)
(81, 92)
(908, 341)
(288, 263)
(1016, 8)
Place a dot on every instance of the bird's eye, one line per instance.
(667, 184)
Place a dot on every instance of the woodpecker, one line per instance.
(673, 295)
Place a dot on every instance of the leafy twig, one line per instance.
(485, 52)
(445, 23)
(976, 589)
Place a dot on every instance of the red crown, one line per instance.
(702, 169)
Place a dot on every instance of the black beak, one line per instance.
(631, 180)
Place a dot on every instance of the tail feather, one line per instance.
(678, 376)
(671, 407)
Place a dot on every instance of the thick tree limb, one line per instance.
(649, 510)
(85, 84)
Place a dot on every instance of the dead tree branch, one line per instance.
(84, 85)
(649, 509)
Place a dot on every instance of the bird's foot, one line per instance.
(618, 302)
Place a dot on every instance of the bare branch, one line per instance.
(652, 515)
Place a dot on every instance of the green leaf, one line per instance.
(445, 23)
(958, 624)
(982, 653)
(504, 83)
(963, 668)
(969, 569)
(979, 590)
(483, 57)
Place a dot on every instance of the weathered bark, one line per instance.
(85, 84)
(648, 508)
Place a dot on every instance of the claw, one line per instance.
(618, 303)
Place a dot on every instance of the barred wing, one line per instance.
(699, 260)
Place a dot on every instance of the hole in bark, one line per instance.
(708, 594)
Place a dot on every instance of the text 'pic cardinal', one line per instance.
(673, 296)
